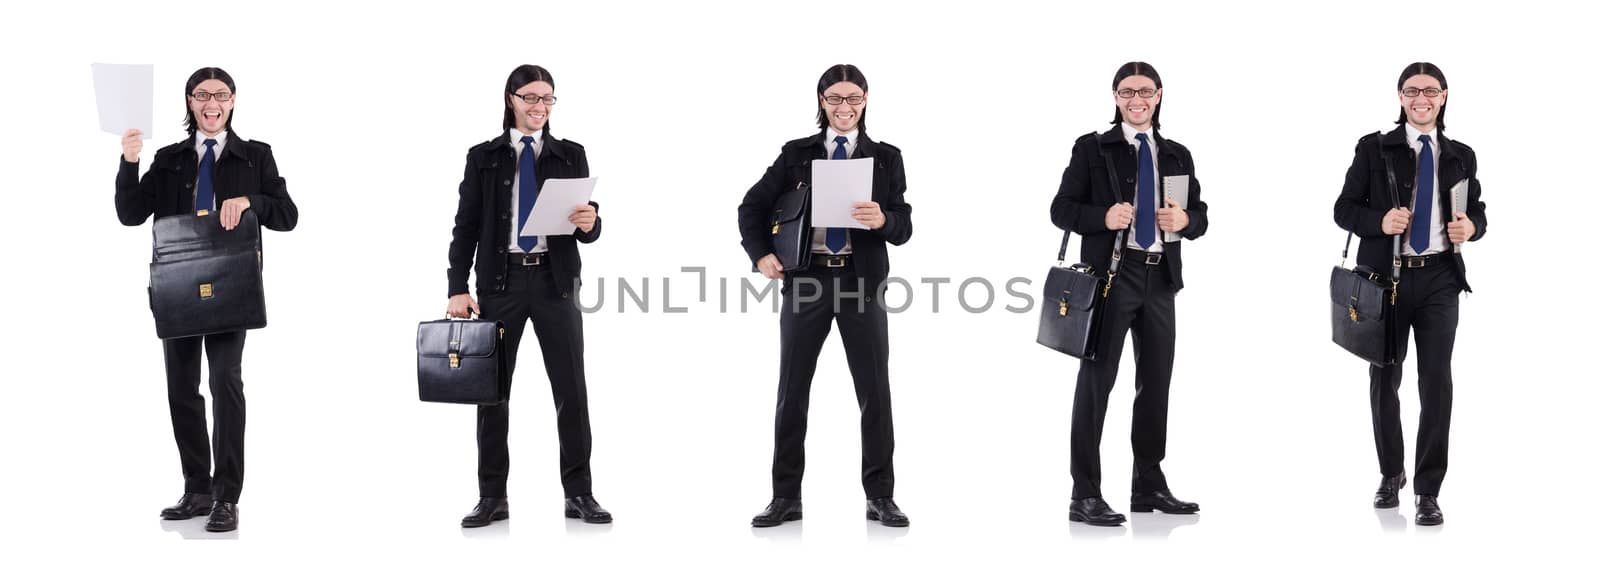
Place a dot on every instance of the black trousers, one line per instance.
(1428, 304)
(1141, 301)
(196, 449)
(812, 301)
(531, 294)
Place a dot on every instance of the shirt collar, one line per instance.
(1412, 135)
(1130, 133)
(850, 138)
(200, 139)
(516, 136)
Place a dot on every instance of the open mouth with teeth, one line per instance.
(1138, 110)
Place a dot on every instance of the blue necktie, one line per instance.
(837, 236)
(205, 192)
(1422, 217)
(1145, 215)
(527, 193)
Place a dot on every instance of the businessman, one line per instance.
(847, 268)
(526, 278)
(1419, 207)
(213, 170)
(1113, 185)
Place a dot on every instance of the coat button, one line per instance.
(499, 276)
(1129, 180)
(505, 216)
(507, 182)
(563, 295)
(1407, 185)
(502, 250)
(188, 185)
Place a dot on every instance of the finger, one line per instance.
(1171, 202)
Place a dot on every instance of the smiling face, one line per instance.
(1422, 111)
(1137, 110)
(843, 117)
(211, 115)
(530, 119)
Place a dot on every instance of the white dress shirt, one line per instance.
(819, 236)
(1436, 235)
(516, 188)
(1131, 134)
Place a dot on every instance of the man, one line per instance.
(522, 278)
(848, 268)
(213, 170)
(1114, 185)
(1425, 166)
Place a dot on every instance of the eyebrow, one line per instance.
(849, 95)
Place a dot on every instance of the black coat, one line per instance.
(483, 216)
(1087, 192)
(244, 169)
(793, 168)
(1366, 197)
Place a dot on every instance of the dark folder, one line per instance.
(204, 279)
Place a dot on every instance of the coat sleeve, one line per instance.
(464, 237)
(1073, 208)
(136, 198)
(593, 234)
(1198, 220)
(755, 209)
(1475, 206)
(896, 212)
(1353, 210)
(272, 206)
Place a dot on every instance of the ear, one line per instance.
(1158, 97)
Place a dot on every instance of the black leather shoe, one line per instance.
(1095, 512)
(488, 510)
(781, 510)
(1388, 495)
(584, 506)
(883, 510)
(1163, 501)
(224, 517)
(188, 506)
(1428, 513)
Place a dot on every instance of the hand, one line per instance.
(770, 267)
(232, 208)
(462, 306)
(131, 145)
(868, 213)
(584, 217)
(1396, 221)
(1172, 218)
(1120, 216)
(1461, 230)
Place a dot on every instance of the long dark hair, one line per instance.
(200, 76)
(1423, 68)
(841, 73)
(520, 77)
(1142, 69)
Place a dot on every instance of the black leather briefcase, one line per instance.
(791, 229)
(1363, 314)
(1073, 305)
(204, 279)
(462, 361)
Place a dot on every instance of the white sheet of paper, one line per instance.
(125, 94)
(1458, 201)
(1177, 188)
(557, 199)
(836, 184)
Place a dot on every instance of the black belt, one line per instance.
(830, 260)
(528, 260)
(1132, 256)
(1416, 262)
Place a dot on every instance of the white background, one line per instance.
(370, 110)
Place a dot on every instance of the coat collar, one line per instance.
(1114, 138)
(1397, 138)
(552, 145)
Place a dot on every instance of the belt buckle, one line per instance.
(532, 259)
(1152, 259)
(1416, 261)
(834, 261)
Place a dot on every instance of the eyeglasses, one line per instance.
(852, 99)
(1412, 92)
(223, 96)
(1129, 93)
(531, 98)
